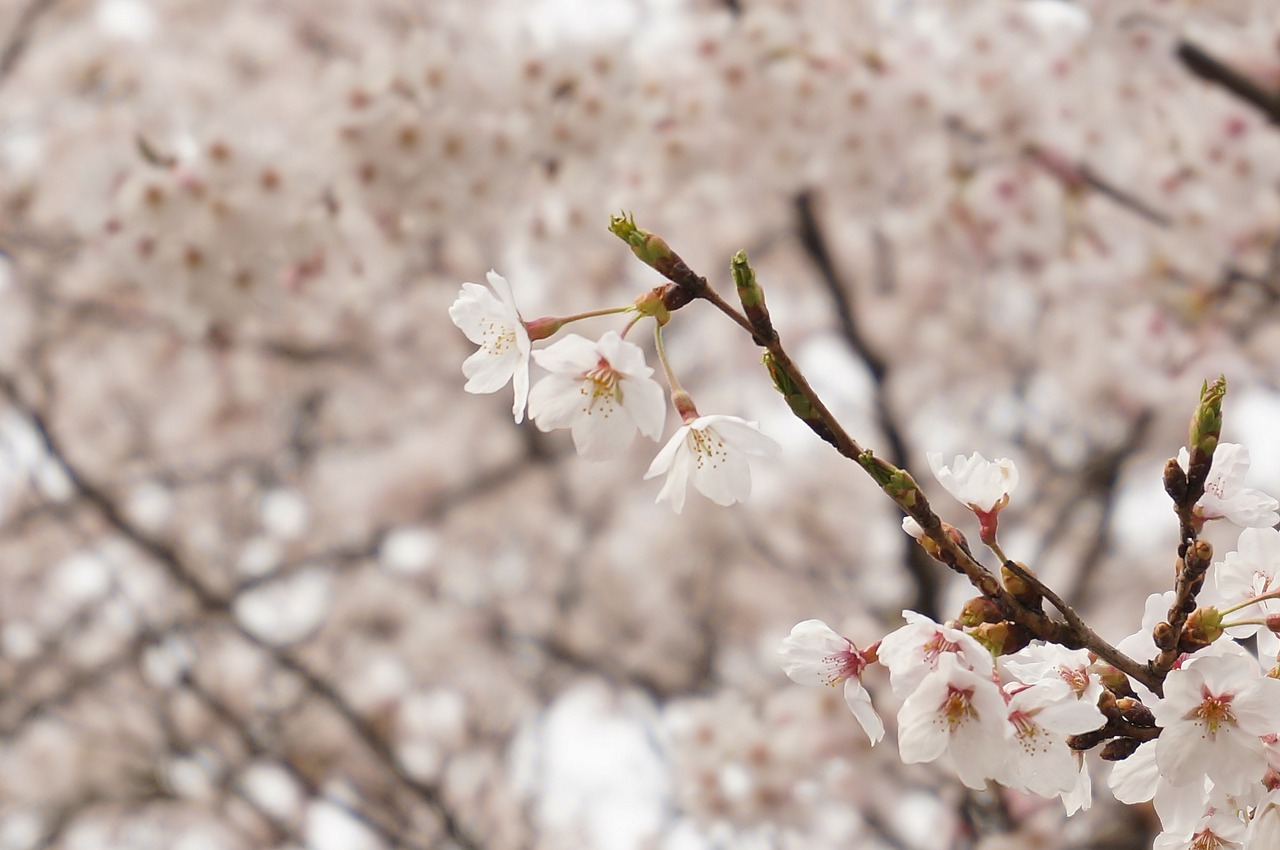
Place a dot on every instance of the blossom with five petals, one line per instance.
(495, 325)
(601, 391)
(814, 654)
(711, 451)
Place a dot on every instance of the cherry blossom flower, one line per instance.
(1225, 496)
(711, 451)
(1042, 717)
(1264, 829)
(1214, 712)
(981, 485)
(813, 654)
(1046, 662)
(495, 325)
(959, 711)
(601, 391)
(1216, 830)
(1138, 779)
(1250, 571)
(914, 650)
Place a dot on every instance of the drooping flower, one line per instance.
(981, 485)
(601, 391)
(1225, 496)
(959, 711)
(495, 325)
(711, 451)
(814, 654)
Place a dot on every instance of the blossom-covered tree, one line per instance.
(273, 579)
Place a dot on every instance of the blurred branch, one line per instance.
(1210, 69)
(16, 44)
(924, 576)
(176, 567)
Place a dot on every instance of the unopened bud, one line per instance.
(654, 303)
(979, 610)
(1175, 480)
(1018, 586)
(1204, 626)
(1206, 424)
(1119, 749)
(1163, 636)
(652, 250)
(1136, 712)
(1199, 555)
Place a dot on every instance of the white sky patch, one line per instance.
(591, 762)
(133, 20)
(1251, 420)
(557, 21)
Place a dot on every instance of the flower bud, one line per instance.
(1119, 749)
(979, 610)
(1018, 587)
(654, 303)
(1136, 712)
(1206, 424)
(1203, 627)
(1163, 636)
(1175, 480)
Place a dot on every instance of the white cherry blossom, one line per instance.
(1216, 830)
(711, 452)
(1214, 712)
(1250, 571)
(601, 391)
(913, 651)
(1225, 496)
(495, 325)
(958, 711)
(1045, 662)
(814, 654)
(1042, 717)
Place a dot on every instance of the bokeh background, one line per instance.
(270, 578)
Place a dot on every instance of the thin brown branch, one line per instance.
(1212, 70)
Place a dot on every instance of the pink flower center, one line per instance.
(1214, 711)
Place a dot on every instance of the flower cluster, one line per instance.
(1206, 749)
(603, 392)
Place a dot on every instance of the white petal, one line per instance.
(488, 374)
(859, 702)
(574, 354)
(555, 401)
(646, 403)
(662, 461)
(601, 437)
(474, 307)
(676, 485)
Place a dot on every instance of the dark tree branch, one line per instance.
(924, 576)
